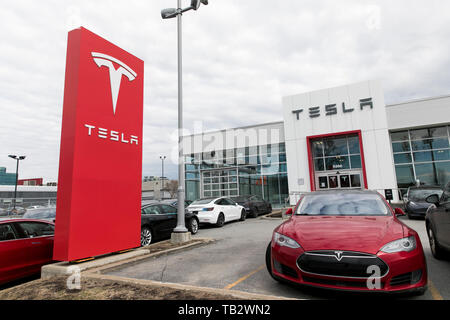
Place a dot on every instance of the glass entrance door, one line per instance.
(339, 180)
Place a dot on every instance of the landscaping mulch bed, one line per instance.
(103, 289)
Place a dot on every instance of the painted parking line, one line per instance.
(434, 291)
(244, 277)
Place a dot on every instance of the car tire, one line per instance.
(269, 261)
(193, 225)
(243, 215)
(146, 236)
(220, 220)
(436, 249)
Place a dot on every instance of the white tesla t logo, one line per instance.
(338, 255)
(115, 76)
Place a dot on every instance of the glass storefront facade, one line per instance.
(422, 154)
(258, 170)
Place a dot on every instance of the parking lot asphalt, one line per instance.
(236, 261)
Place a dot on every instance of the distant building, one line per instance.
(31, 182)
(27, 195)
(152, 188)
(7, 179)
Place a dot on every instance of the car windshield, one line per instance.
(40, 214)
(202, 201)
(422, 194)
(341, 204)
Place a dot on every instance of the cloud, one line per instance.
(240, 58)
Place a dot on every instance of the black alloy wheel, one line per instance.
(436, 249)
(220, 220)
(193, 225)
(243, 215)
(146, 236)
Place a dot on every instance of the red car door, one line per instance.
(14, 261)
(39, 236)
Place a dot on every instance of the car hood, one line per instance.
(362, 234)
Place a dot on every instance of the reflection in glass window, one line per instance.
(336, 163)
(401, 146)
(423, 156)
(402, 158)
(356, 162)
(429, 156)
(353, 145)
(425, 172)
(355, 180)
(441, 155)
(319, 164)
(335, 146)
(317, 148)
(400, 136)
(405, 175)
(442, 172)
(438, 143)
(429, 133)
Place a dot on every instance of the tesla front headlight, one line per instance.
(405, 244)
(284, 241)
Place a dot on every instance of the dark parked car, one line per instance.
(437, 222)
(48, 213)
(159, 219)
(415, 201)
(25, 246)
(254, 205)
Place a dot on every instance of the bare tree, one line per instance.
(172, 187)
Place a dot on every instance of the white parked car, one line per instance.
(217, 211)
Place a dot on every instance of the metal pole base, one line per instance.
(180, 237)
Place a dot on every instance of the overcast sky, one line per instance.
(240, 58)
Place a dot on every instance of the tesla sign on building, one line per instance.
(100, 168)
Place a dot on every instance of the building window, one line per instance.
(257, 170)
(421, 155)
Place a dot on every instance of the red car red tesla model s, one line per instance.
(25, 246)
(347, 240)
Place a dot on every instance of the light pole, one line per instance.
(162, 175)
(17, 158)
(168, 14)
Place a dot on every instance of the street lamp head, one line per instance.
(195, 4)
(168, 13)
(22, 157)
(12, 156)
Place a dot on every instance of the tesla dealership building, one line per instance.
(338, 138)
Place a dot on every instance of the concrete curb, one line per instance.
(239, 295)
(63, 268)
(112, 261)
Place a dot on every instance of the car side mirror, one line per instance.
(433, 199)
(289, 212)
(399, 212)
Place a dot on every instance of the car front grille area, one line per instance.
(406, 278)
(340, 264)
(338, 283)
